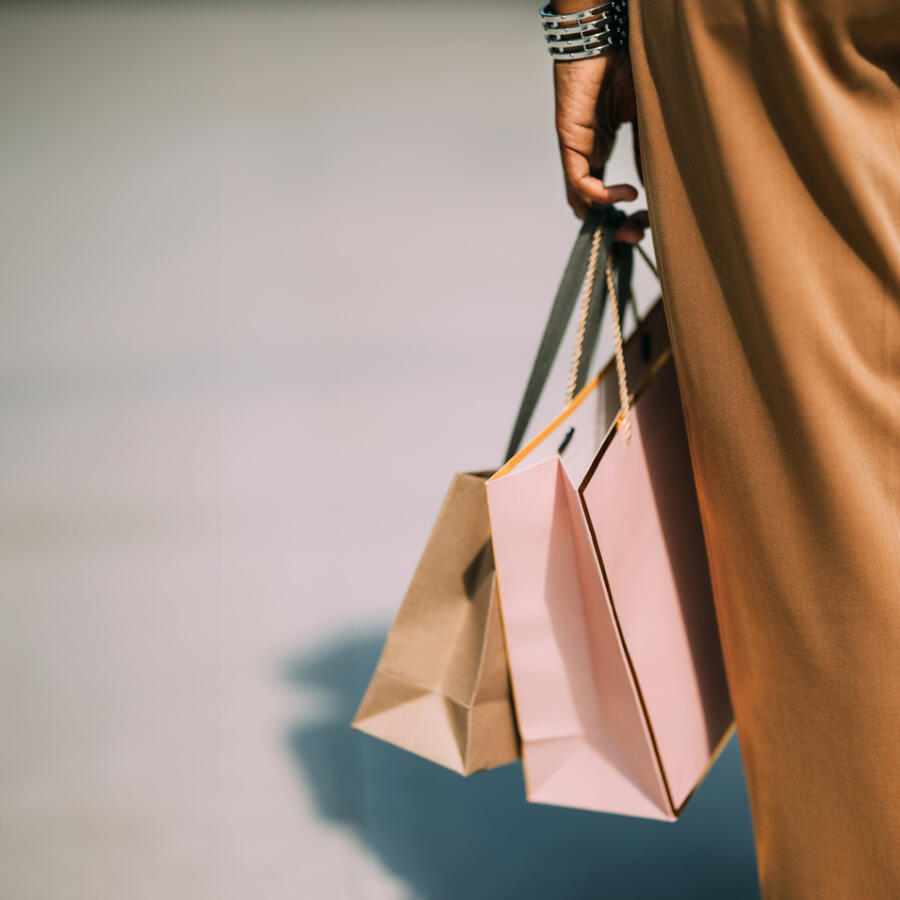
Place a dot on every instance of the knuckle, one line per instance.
(572, 135)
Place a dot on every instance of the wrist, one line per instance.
(563, 7)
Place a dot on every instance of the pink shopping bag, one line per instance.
(605, 597)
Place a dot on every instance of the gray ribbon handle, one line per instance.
(561, 312)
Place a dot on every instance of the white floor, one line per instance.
(270, 274)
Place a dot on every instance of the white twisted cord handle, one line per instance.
(585, 309)
(624, 417)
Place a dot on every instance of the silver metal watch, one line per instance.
(591, 32)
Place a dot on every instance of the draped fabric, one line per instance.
(770, 141)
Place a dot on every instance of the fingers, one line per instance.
(584, 150)
(577, 145)
(580, 145)
(584, 189)
(632, 229)
(591, 189)
(579, 205)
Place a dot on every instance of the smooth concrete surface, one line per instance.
(271, 273)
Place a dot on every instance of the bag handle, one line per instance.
(594, 240)
(624, 418)
(622, 264)
(624, 282)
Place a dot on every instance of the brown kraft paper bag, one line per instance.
(441, 688)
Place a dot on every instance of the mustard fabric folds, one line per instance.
(770, 142)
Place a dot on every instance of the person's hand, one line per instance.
(593, 98)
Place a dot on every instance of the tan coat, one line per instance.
(770, 137)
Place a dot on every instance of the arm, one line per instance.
(593, 97)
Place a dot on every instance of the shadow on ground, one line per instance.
(477, 837)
